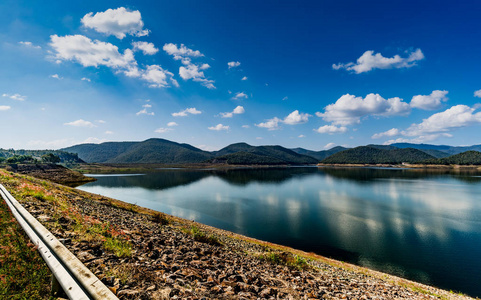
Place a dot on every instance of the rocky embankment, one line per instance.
(52, 172)
(141, 254)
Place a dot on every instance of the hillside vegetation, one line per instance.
(465, 158)
(372, 155)
(319, 155)
(33, 156)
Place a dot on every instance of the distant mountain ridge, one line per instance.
(376, 155)
(168, 152)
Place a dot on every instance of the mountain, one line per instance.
(319, 155)
(149, 151)
(464, 158)
(373, 155)
(443, 148)
(242, 153)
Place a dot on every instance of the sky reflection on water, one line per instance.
(416, 224)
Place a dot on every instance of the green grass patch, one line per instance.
(200, 236)
(120, 248)
(23, 273)
(285, 258)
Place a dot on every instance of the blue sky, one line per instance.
(312, 74)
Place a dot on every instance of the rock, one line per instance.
(129, 293)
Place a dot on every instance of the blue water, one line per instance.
(416, 224)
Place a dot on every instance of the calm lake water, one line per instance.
(416, 224)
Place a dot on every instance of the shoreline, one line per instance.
(248, 250)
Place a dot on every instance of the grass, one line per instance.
(160, 218)
(200, 236)
(287, 259)
(23, 273)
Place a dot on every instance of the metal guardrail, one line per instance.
(76, 280)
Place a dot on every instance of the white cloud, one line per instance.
(331, 129)
(329, 146)
(171, 124)
(186, 111)
(81, 123)
(301, 136)
(420, 139)
(56, 76)
(93, 140)
(100, 121)
(85, 79)
(285, 98)
(16, 97)
(477, 93)
(349, 109)
(4, 107)
(145, 47)
(117, 22)
(109, 132)
(237, 111)
(29, 45)
(244, 78)
(144, 111)
(181, 52)
(368, 62)
(157, 77)
(390, 132)
(295, 118)
(162, 130)
(219, 127)
(192, 71)
(429, 102)
(90, 53)
(455, 117)
(246, 126)
(233, 64)
(240, 95)
(271, 124)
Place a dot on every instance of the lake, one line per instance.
(417, 224)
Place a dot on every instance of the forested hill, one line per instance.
(149, 151)
(319, 155)
(10, 155)
(245, 154)
(164, 151)
(373, 155)
(465, 158)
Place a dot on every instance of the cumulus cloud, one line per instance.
(390, 132)
(349, 109)
(81, 123)
(117, 22)
(294, 118)
(369, 61)
(85, 79)
(429, 102)
(233, 64)
(329, 146)
(237, 111)
(56, 76)
(158, 77)
(244, 78)
(301, 136)
(192, 71)
(331, 129)
(16, 97)
(29, 45)
(181, 52)
(145, 110)
(171, 124)
(455, 117)
(145, 47)
(219, 127)
(185, 112)
(90, 53)
(162, 130)
(4, 107)
(240, 95)
(477, 93)
(246, 126)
